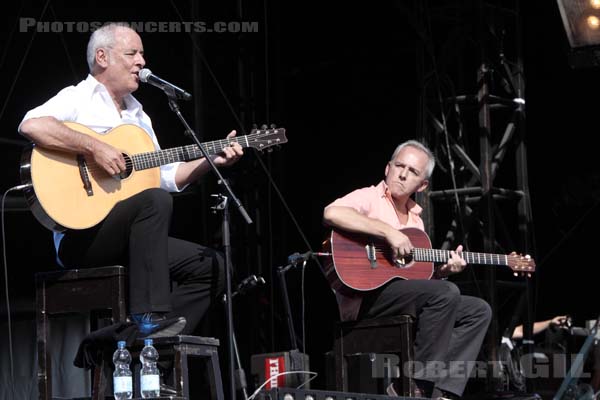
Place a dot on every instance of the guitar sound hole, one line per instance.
(404, 262)
(128, 167)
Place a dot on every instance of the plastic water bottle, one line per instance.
(149, 379)
(122, 377)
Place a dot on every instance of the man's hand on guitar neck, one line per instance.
(455, 264)
(193, 170)
(230, 154)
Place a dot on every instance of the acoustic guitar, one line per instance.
(363, 263)
(69, 191)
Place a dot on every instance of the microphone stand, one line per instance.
(240, 374)
(286, 303)
(293, 261)
(224, 207)
(297, 359)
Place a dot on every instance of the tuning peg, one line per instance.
(254, 126)
(273, 126)
(263, 126)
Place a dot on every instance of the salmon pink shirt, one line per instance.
(374, 202)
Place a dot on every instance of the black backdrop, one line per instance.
(341, 78)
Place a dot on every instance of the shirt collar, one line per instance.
(133, 106)
(411, 205)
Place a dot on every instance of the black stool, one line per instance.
(88, 290)
(386, 335)
(179, 348)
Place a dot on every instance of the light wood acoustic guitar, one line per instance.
(69, 191)
(362, 263)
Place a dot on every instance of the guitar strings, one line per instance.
(435, 254)
(148, 159)
(443, 255)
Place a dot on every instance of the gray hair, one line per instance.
(103, 37)
(424, 149)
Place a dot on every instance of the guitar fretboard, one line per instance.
(442, 256)
(186, 153)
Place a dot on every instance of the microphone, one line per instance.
(147, 76)
(297, 258)
(248, 284)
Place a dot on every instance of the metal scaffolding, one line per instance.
(472, 115)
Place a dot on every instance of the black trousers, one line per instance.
(450, 327)
(165, 274)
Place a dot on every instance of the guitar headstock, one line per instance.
(521, 264)
(265, 138)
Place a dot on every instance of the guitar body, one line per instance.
(68, 191)
(353, 268)
(58, 196)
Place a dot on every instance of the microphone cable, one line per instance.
(312, 375)
(8, 311)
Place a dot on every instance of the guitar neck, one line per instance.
(154, 159)
(442, 256)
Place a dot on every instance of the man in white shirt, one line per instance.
(135, 233)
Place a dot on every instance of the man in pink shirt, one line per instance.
(450, 326)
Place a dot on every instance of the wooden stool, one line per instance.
(179, 348)
(386, 335)
(88, 290)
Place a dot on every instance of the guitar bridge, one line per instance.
(83, 173)
(371, 254)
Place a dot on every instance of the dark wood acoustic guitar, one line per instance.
(363, 263)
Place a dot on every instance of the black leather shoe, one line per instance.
(154, 325)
